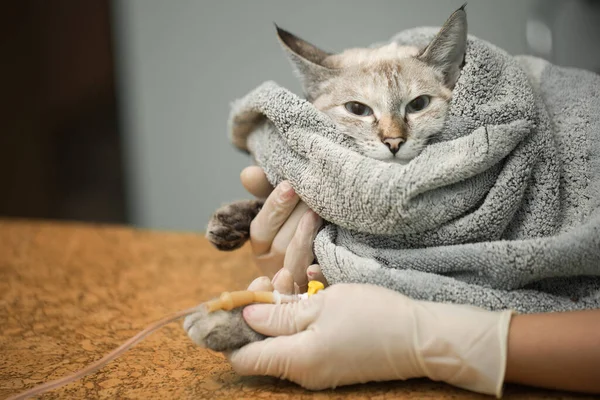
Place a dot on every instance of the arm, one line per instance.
(555, 350)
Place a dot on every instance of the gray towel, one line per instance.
(501, 211)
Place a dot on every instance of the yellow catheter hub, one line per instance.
(314, 287)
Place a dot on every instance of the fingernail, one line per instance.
(287, 191)
(314, 271)
(255, 313)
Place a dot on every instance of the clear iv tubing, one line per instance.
(227, 301)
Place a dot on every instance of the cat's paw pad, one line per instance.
(229, 227)
(220, 330)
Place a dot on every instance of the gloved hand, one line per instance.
(351, 333)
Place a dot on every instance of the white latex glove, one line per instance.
(351, 333)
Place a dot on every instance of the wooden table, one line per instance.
(69, 293)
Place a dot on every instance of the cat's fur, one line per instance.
(229, 227)
(386, 79)
(220, 330)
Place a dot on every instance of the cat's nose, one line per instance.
(393, 143)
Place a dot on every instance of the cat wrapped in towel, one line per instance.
(446, 169)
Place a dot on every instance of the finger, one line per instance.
(261, 284)
(314, 273)
(299, 254)
(272, 356)
(276, 210)
(272, 261)
(288, 230)
(283, 319)
(283, 282)
(255, 181)
(269, 264)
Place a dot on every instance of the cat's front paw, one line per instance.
(220, 330)
(229, 227)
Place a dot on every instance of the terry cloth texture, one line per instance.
(501, 210)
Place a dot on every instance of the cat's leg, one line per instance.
(229, 227)
(220, 330)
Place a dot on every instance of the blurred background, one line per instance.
(115, 111)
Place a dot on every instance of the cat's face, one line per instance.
(390, 100)
(386, 99)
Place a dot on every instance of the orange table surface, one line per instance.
(70, 293)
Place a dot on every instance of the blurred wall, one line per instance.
(180, 64)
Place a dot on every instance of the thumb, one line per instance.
(283, 319)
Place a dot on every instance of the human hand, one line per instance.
(282, 233)
(352, 333)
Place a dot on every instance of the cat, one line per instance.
(390, 100)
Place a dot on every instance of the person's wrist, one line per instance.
(394, 336)
(462, 345)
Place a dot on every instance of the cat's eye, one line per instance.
(417, 104)
(359, 109)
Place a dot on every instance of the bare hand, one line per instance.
(282, 233)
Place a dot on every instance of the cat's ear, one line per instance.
(446, 52)
(307, 60)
